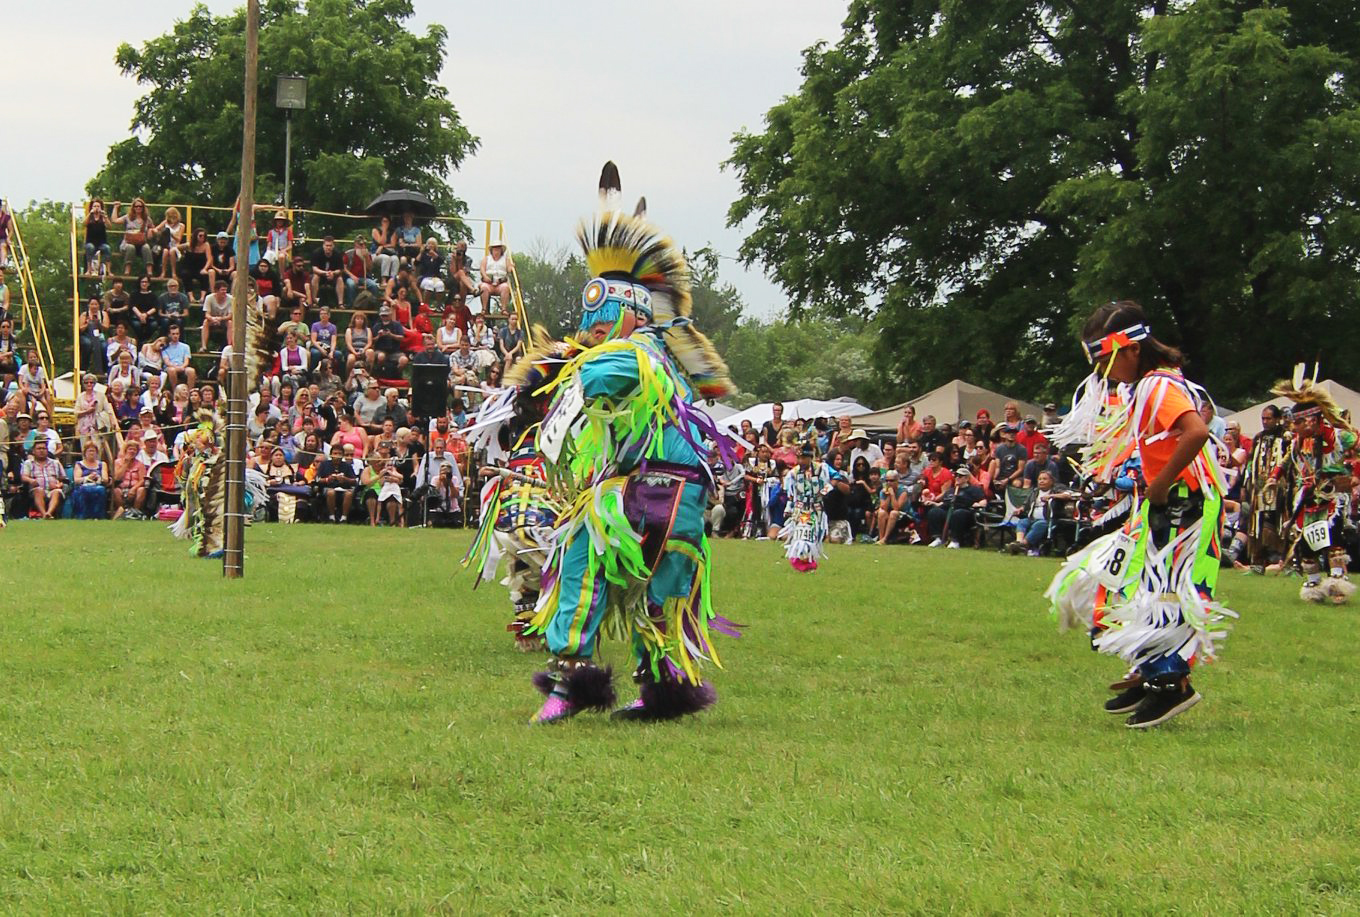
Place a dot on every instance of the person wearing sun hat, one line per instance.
(623, 436)
(278, 245)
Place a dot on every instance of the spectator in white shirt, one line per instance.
(860, 446)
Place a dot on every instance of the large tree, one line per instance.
(981, 173)
(376, 115)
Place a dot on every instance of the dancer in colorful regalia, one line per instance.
(202, 469)
(1156, 607)
(1263, 497)
(1320, 483)
(625, 440)
(518, 510)
(805, 522)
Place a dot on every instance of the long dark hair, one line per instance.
(1116, 316)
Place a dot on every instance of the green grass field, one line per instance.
(346, 730)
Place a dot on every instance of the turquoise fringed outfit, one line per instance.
(624, 446)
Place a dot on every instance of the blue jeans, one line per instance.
(105, 252)
(1034, 531)
(352, 289)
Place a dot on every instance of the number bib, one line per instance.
(1318, 534)
(556, 427)
(1110, 565)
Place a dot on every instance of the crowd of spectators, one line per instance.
(937, 484)
(332, 411)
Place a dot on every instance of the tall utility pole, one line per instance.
(234, 557)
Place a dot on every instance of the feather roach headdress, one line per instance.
(1311, 398)
(633, 265)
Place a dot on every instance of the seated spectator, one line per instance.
(297, 286)
(222, 261)
(278, 248)
(430, 267)
(1028, 435)
(448, 335)
(1011, 415)
(175, 357)
(952, 514)
(97, 250)
(367, 405)
(33, 383)
(386, 436)
(336, 481)
(935, 477)
(217, 320)
(129, 482)
(463, 366)
(461, 283)
(168, 238)
(388, 336)
(325, 380)
(358, 266)
(292, 360)
(90, 475)
(118, 304)
(43, 432)
(297, 325)
(496, 269)
(10, 361)
(120, 342)
(392, 409)
(861, 500)
(328, 271)
(151, 359)
(45, 480)
(1041, 462)
(358, 343)
(1051, 416)
(482, 342)
(1008, 460)
(893, 504)
(136, 241)
(349, 434)
(1032, 524)
(908, 428)
(257, 423)
(931, 438)
(409, 241)
(94, 328)
(172, 305)
(283, 487)
(381, 486)
(151, 396)
(889, 457)
(510, 340)
(384, 249)
(194, 264)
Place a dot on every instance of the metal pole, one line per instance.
(234, 557)
(287, 157)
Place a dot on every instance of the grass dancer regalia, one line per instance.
(624, 445)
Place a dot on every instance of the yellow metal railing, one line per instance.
(33, 319)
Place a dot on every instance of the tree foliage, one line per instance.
(376, 115)
(981, 174)
(46, 229)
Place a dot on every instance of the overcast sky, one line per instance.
(659, 88)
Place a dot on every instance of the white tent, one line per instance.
(805, 408)
(717, 410)
(1250, 418)
(950, 403)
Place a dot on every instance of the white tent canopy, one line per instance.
(1250, 418)
(805, 408)
(950, 403)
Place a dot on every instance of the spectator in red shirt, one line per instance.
(935, 478)
(1029, 434)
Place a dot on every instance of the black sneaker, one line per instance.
(1128, 701)
(1161, 706)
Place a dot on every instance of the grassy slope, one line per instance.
(345, 729)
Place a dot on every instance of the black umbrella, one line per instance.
(395, 203)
